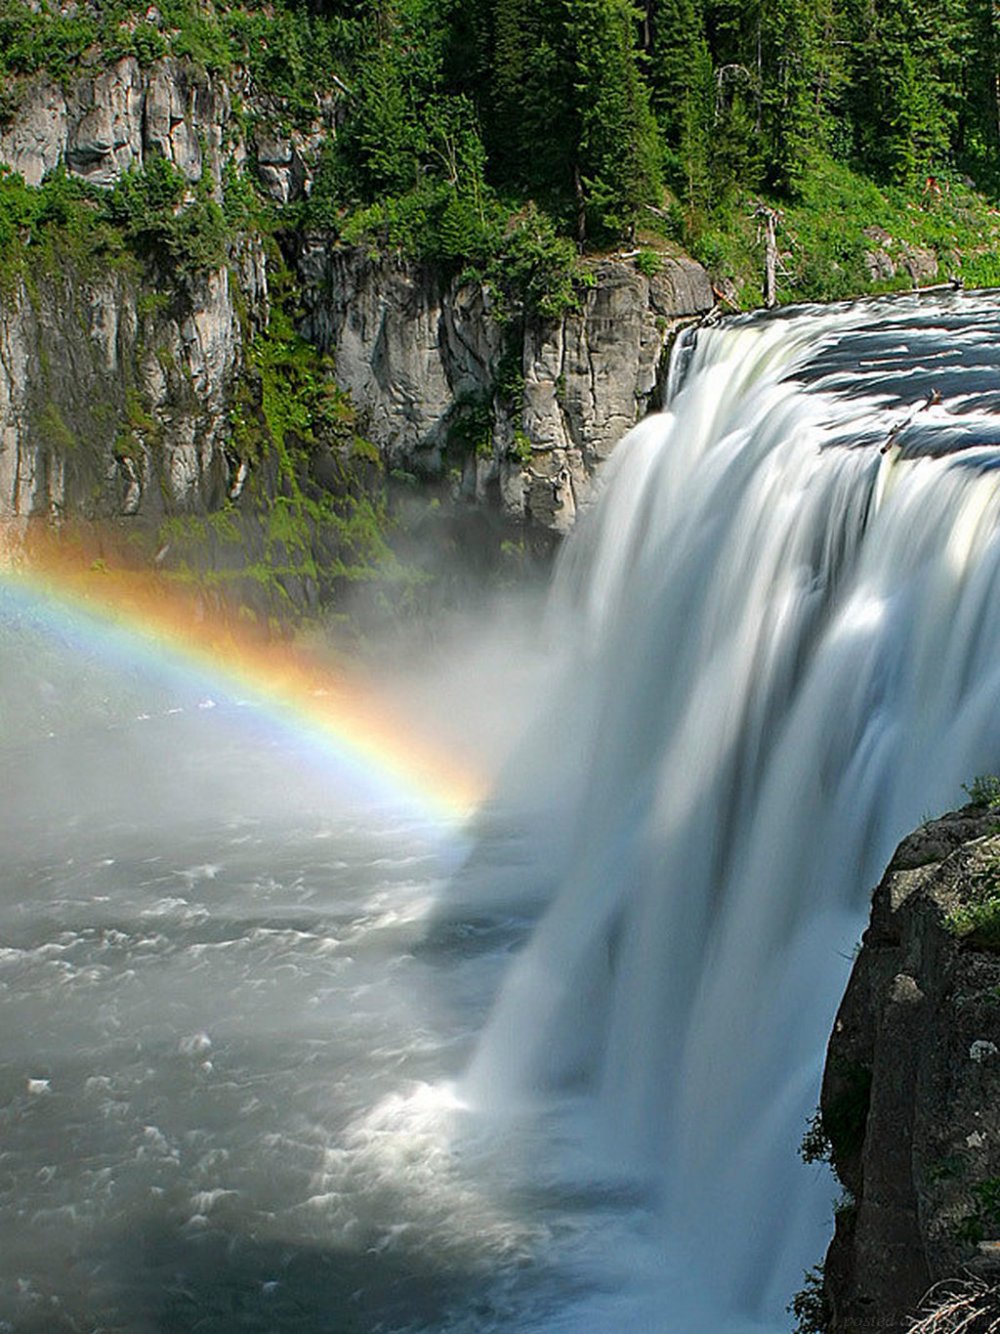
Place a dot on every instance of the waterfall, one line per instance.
(780, 638)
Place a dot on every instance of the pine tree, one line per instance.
(682, 79)
(907, 84)
(615, 167)
(801, 73)
(526, 111)
(569, 119)
(978, 135)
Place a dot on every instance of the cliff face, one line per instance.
(102, 123)
(113, 397)
(911, 1091)
(421, 355)
(128, 389)
(115, 386)
(115, 120)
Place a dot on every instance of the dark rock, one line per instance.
(911, 1090)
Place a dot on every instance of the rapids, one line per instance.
(280, 1055)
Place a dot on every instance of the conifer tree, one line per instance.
(569, 118)
(615, 167)
(978, 136)
(907, 81)
(801, 73)
(682, 79)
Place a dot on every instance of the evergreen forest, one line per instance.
(521, 133)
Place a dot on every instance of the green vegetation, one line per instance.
(501, 137)
(984, 1219)
(149, 215)
(288, 50)
(815, 1146)
(324, 520)
(809, 1305)
(978, 923)
(984, 790)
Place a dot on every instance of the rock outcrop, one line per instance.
(419, 353)
(103, 124)
(911, 1091)
(114, 398)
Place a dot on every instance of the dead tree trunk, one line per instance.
(581, 207)
(769, 220)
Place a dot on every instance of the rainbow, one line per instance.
(143, 619)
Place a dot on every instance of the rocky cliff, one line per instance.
(118, 384)
(911, 1091)
(424, 358)
(114, 396)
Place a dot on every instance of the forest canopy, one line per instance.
(514, 133)
(590, 107)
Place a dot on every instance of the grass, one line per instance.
(837, 219)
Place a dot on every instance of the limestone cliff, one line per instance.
(911, 1092)
(114, 396)
(116, 118)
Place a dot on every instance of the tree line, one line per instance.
(590, 107)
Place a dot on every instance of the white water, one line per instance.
(783, 651)
(270, 1062)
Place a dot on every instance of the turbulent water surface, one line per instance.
(277, 1059)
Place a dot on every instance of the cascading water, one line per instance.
(271, 1062)
(782, 631)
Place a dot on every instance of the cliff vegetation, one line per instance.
(505, 137)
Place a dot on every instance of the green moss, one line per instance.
(53, 429)
(648, 262)
(984, 1219)
(470, 425)
(521, 447)
(977, 924)
(152, 303)
(976, 920)
(313, 513)
(138, 427)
